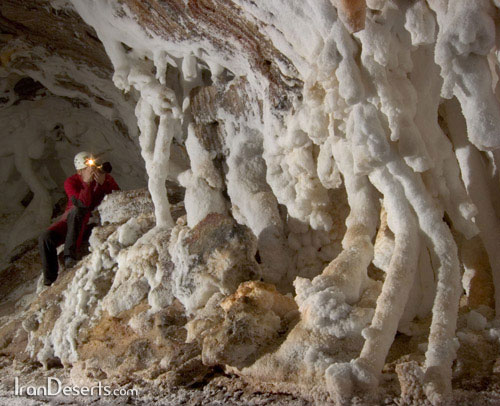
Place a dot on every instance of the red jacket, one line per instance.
(89, 195)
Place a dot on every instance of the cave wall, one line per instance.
(57, 99)
(357, 141)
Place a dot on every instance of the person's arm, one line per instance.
(80, 190)
(102, 189)
(110, 184)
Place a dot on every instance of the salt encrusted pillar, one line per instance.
(365, 370)
(466, 37)
(155, 149)
(158, 168)
(442, 342)
(443, 178)
(400, 273)
(157, 103)
(253, 202)
(474, 177)
(349, 269)
(203, 183)
(372, 154)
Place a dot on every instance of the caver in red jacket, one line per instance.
(82, 199)
(85, 195)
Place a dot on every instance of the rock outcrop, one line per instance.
(213, 257)
(236, 330)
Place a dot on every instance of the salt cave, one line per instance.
(310, 199)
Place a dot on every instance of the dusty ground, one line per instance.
(219, 390)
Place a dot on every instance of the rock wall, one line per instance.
(340, 168)
(56, 99)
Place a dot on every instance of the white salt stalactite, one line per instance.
(365, 370)
(370, 149)
(474, 177)
(442, 342)
(159, 170)
(339, 287)
(349, 269)
(156, 101)
(155, 149)
(189, 68)
(466, 37)
(388, 64)
(253, 202)
(291, 172)
(444, 175)
(400, 274)
(161, 64)
(361, 223)
(202, 182)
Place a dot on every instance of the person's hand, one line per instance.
(99, 176)
(87, 174)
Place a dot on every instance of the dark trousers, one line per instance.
(66, 231)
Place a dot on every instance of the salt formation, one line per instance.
(264, 313)
(214, 257)
(287, 120)
(103, 282)
(126, 276)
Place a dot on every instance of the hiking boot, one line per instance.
(47, 281)
(69, 262)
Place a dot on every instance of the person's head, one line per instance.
(83, 160)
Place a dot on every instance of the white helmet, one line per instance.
(81, 160)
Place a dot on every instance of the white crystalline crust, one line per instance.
(126, 258)
(368, 121)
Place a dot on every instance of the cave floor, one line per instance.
(219, 390)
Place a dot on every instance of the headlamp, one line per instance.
(90, 162)
(105, 167)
